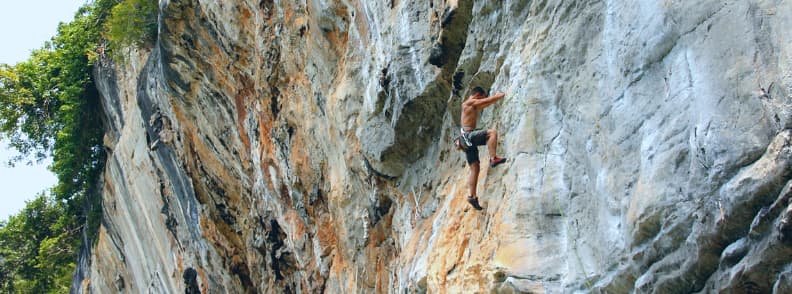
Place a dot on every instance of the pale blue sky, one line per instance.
(25, 25)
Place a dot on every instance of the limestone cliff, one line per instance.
(305, 146)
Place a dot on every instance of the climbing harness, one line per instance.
(463, 141)
(466, 136)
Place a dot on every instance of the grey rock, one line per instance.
(306, 147)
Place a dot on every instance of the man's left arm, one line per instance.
(492, 99)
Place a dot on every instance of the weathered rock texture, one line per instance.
(304, 146)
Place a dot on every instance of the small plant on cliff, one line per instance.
(131, 23)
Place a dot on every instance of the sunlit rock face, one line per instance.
(305, 146)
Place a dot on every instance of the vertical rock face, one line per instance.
(305, 146)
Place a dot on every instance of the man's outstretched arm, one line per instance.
(481, 103)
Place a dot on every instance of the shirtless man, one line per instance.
(472, 138)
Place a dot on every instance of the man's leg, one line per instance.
(473, 180)
(492, 145)
(472, 183)
(492, 142)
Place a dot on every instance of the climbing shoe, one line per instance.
(474, 201)
(496, 161)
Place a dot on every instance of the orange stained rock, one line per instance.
(85, 285)
(210, 232)
(266, 150)
(461, 252)
(202, 274)
(288, 14)
(326, 236)
(361, 23)
(108, 253)
(338, 41)
(243, 96)
(208, 158)
(295, 224)
(179, 261)
(299, 160)
(517, 256)
(244, 13)
(343, 272)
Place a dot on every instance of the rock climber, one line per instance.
(472, 138)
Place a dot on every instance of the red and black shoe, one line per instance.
(496, 161)
(474, 201)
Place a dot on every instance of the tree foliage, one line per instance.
(49, 106)
(132, 23)
(37, 248)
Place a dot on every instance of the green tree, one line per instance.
(49, 106)
(37, 248)
(28, 102)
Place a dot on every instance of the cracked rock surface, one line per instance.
(306, 146)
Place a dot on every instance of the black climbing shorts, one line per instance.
(478, 138)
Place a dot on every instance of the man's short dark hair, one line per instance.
(479, 90)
